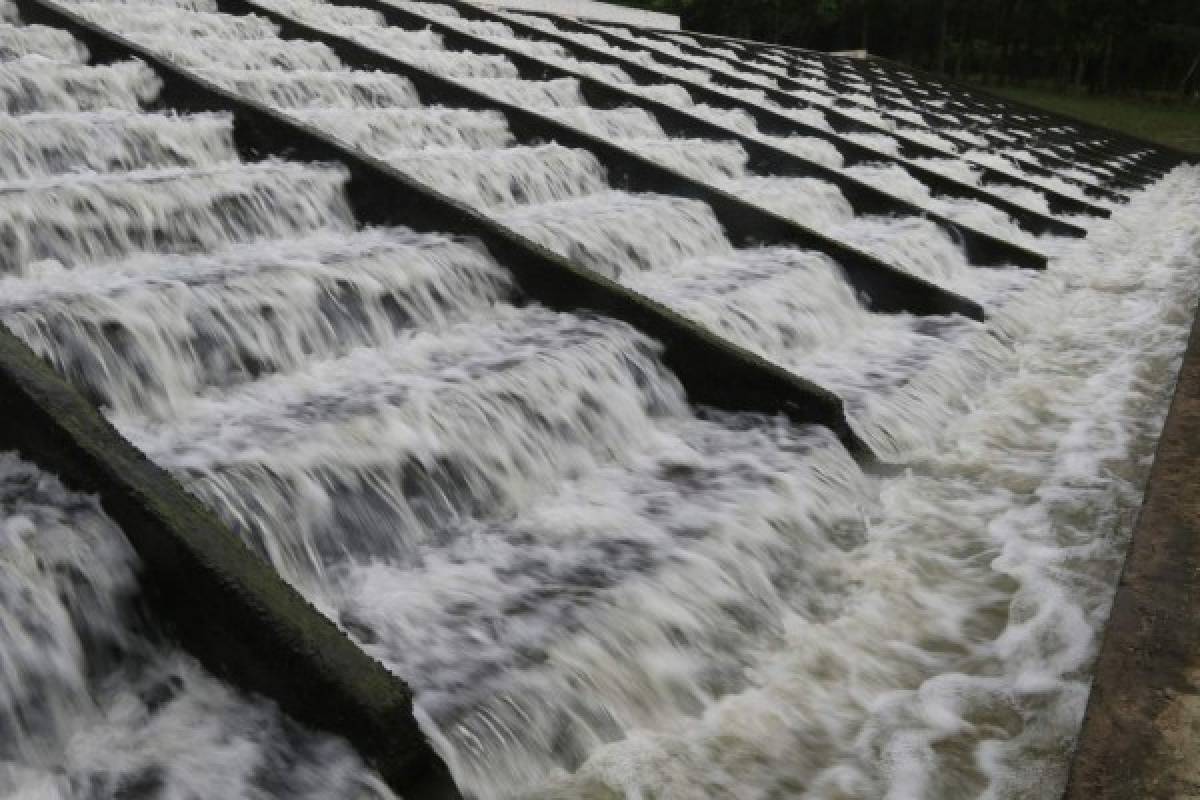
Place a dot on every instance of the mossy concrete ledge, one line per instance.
(221, 602)
(1141, 735)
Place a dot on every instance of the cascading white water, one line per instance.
(43, 145)
(329, 16)
(617, 123)
(464, 66)
(667, 93)
(94, 701)
(539, 95)
(617, 233)
(34, 83)
(139, 21)
(957, 665)
(979, 216)
(222, 318)
(50, 43)
(248, 54)
(1064, 180)
(559, 197)
(725, 166)
(475, 27)
(506, 178)
(392, 130)
(965, 212)
(68, 220)
(824, 98)
(346, 89)
(595, 590)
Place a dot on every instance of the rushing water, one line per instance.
(93, 701)
(596, 589)
(665, 246)
(911, 127)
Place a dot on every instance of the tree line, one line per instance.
(1103, 46)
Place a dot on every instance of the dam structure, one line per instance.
(525, 400)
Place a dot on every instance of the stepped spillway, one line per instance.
(94, 696)
(594, 586)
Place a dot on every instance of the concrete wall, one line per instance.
(1141, 735)
(589, 9)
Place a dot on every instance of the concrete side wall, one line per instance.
(1141, 735)
(589, 9)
